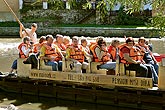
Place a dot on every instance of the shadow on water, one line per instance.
(26, 102)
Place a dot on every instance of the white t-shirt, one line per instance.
(33, 36)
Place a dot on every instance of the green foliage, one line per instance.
(76, 4)
(124, 18)
(9, 24)
(87, 5)
(56, 4)
(158, 22)
(101, 7)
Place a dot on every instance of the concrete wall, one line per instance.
(5, 14)
(85, 31)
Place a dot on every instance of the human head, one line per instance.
(115, 43)
(75, 40)
(142, 41)
(49, 39)
(130, 41)
(42, 39)
(84, 41)
(66, 40)
(101, 42)
(99, 38)
(26, 40)
(34, 27)
(59, 38)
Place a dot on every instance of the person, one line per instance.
(100, 54)
(38, 45)
(29, 32)
(148, 55)
(150, 46)
(113, 49)
(129, 55)
(66, 41)
(84, 44)
(25, 48)
(51, 54)
(149, 59)
(76, 54)
(59, 43)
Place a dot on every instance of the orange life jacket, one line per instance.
(61, 46)
(134, 53)
(104, 59)
(52, 52)
(21, 54)
(92, 44)
(77, 53)
(37, 47)
(112, 51)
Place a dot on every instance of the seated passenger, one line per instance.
(148, 59)
(148, 56)
(25, 48)
(129, 56)
(38, 45)
(85, 47)
(59, 43)
(113, 49)
(76, 54)
(150, 46)
(66, 41)
(51, 54)
(94, 43)
(100, 54)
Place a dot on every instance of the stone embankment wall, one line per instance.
(84, 31)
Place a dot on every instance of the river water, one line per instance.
(25, 102)
(8, 53)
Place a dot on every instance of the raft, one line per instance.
(94, 87)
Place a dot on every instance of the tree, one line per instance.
(131, 6)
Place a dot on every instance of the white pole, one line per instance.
(20, 4)
(45, 5)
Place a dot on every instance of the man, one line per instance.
(100, 54)
(148, 56)
(59, 43)
(148, 59)
(51, 54)
(76, 54)
(113, 49)
(25, 48)
(130, 56)
(29, 32)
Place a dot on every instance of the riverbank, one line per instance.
(5, 32)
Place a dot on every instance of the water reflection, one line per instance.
(26, 102)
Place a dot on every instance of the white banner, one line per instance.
(93, 78)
